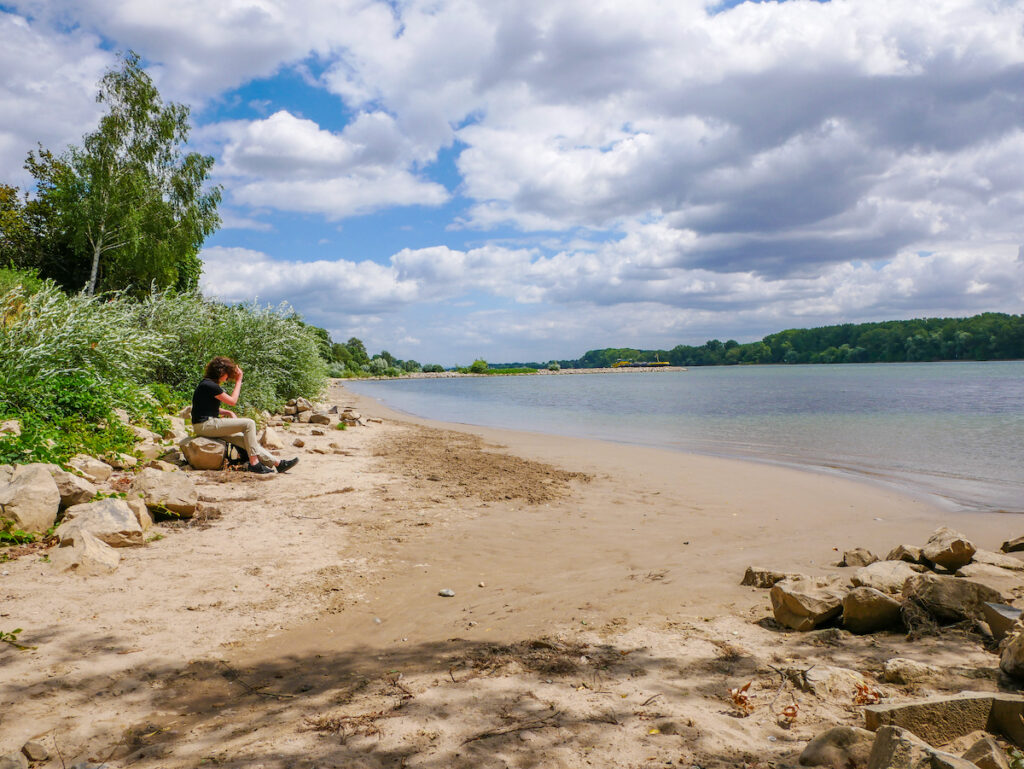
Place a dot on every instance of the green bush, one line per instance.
(479, 366)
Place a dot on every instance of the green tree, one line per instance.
(357, 350)
(130, 206)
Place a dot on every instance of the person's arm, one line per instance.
(228, 414)
(232, 399)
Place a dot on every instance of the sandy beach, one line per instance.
(597, 617)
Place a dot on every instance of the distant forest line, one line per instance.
(989, 336)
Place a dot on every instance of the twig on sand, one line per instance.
(540, 723)
(234, 676)
(649, 700)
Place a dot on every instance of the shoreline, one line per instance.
(301, 625)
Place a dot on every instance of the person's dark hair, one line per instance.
(218, 367)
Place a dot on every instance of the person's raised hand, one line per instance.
(238, 372)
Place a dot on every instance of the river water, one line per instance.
(954, 431)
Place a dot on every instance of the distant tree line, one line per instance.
(350, 359)
(989, 336)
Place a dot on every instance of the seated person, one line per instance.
(209, 420)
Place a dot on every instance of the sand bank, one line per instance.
(597, 616)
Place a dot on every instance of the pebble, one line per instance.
(481, 584)
(446, 593)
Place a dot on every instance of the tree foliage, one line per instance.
(128, 209)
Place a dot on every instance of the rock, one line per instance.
(317, 432)
(138, 507)
(171, 492)
(122, 416)
(176, 431)
(73, 489)
(1013, 545)
(269, 439)
(120, 461)
(900, 670)
(858, 557)
(351, 417)
(30, 499)
(185, 413)
(939, 720)
(6, 471)
(290, 410)
(839, 748)
(109, 520)
(758, 577)
(1000, 618)
(91, 468)
(827, 680)
(298, 443)
(320, 419)
(947, 548)
(142, 434)
(898, 748)
(446, 593)
(987, 754)
(866, 610)
(10, 427)
(303, 405)
(162, 466)
(998, 559)
(204, 453)
(908, 553)
(88, 557)
(149, 451)
(304, 417)
(13, 761)
(805, 603)
(949, 599)
(885, 576)
(174, 457)
(35, 751)
(1009, 584)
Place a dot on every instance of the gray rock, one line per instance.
(13, 761)
(91, 468)
(173, 492)
(908, 553)
(900, 670)
(949, 599)
(31, 498)
(885, 576)
(839, 748)
(446, 593)
(88, 557)
(109, 520)
(949, 549)
(35, 751)
(987, 754)
(765, 578)
(204, 453)
(866, 610)
(858, 557)
(803, 604)
(1000, 618)
(73, 489)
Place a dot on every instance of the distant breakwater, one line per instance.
(544, 372)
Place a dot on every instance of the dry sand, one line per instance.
(597, 619)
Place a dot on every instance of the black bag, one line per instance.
(237, 455)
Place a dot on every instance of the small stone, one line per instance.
(298, 443)
(269, 439)
(317, 432)
(899, 670)
(908, 553)
(1013, 545)
(91, 468)
(120, 461)
(35, 751)
(858, 557)
(446, 593)
(13, 761)
(481, 584)
(756, 576)
(320, 419)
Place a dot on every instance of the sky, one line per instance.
(524, 181)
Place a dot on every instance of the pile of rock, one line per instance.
(948, 578)
(906, 736)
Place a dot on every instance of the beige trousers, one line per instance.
(240, 432)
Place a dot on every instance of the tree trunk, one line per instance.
(97, 249)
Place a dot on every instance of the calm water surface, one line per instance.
(953, 430)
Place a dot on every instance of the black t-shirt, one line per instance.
(204, 401)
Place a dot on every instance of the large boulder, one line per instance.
(839, 748)
(900, 670)
(756, 576)
(949, 599)
(302, 405)
(30, 499)
(91, 468)
(204, 453)
(805, 603)
(948, 549)
(1009, 584)
(1000, 618)
(866, 610)
(986, 754)
(173, 492)
(998, 559)
(109, 520)
(884, 576)
(73, 489)
(940, 720)
(88, 556)
(908, 553)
